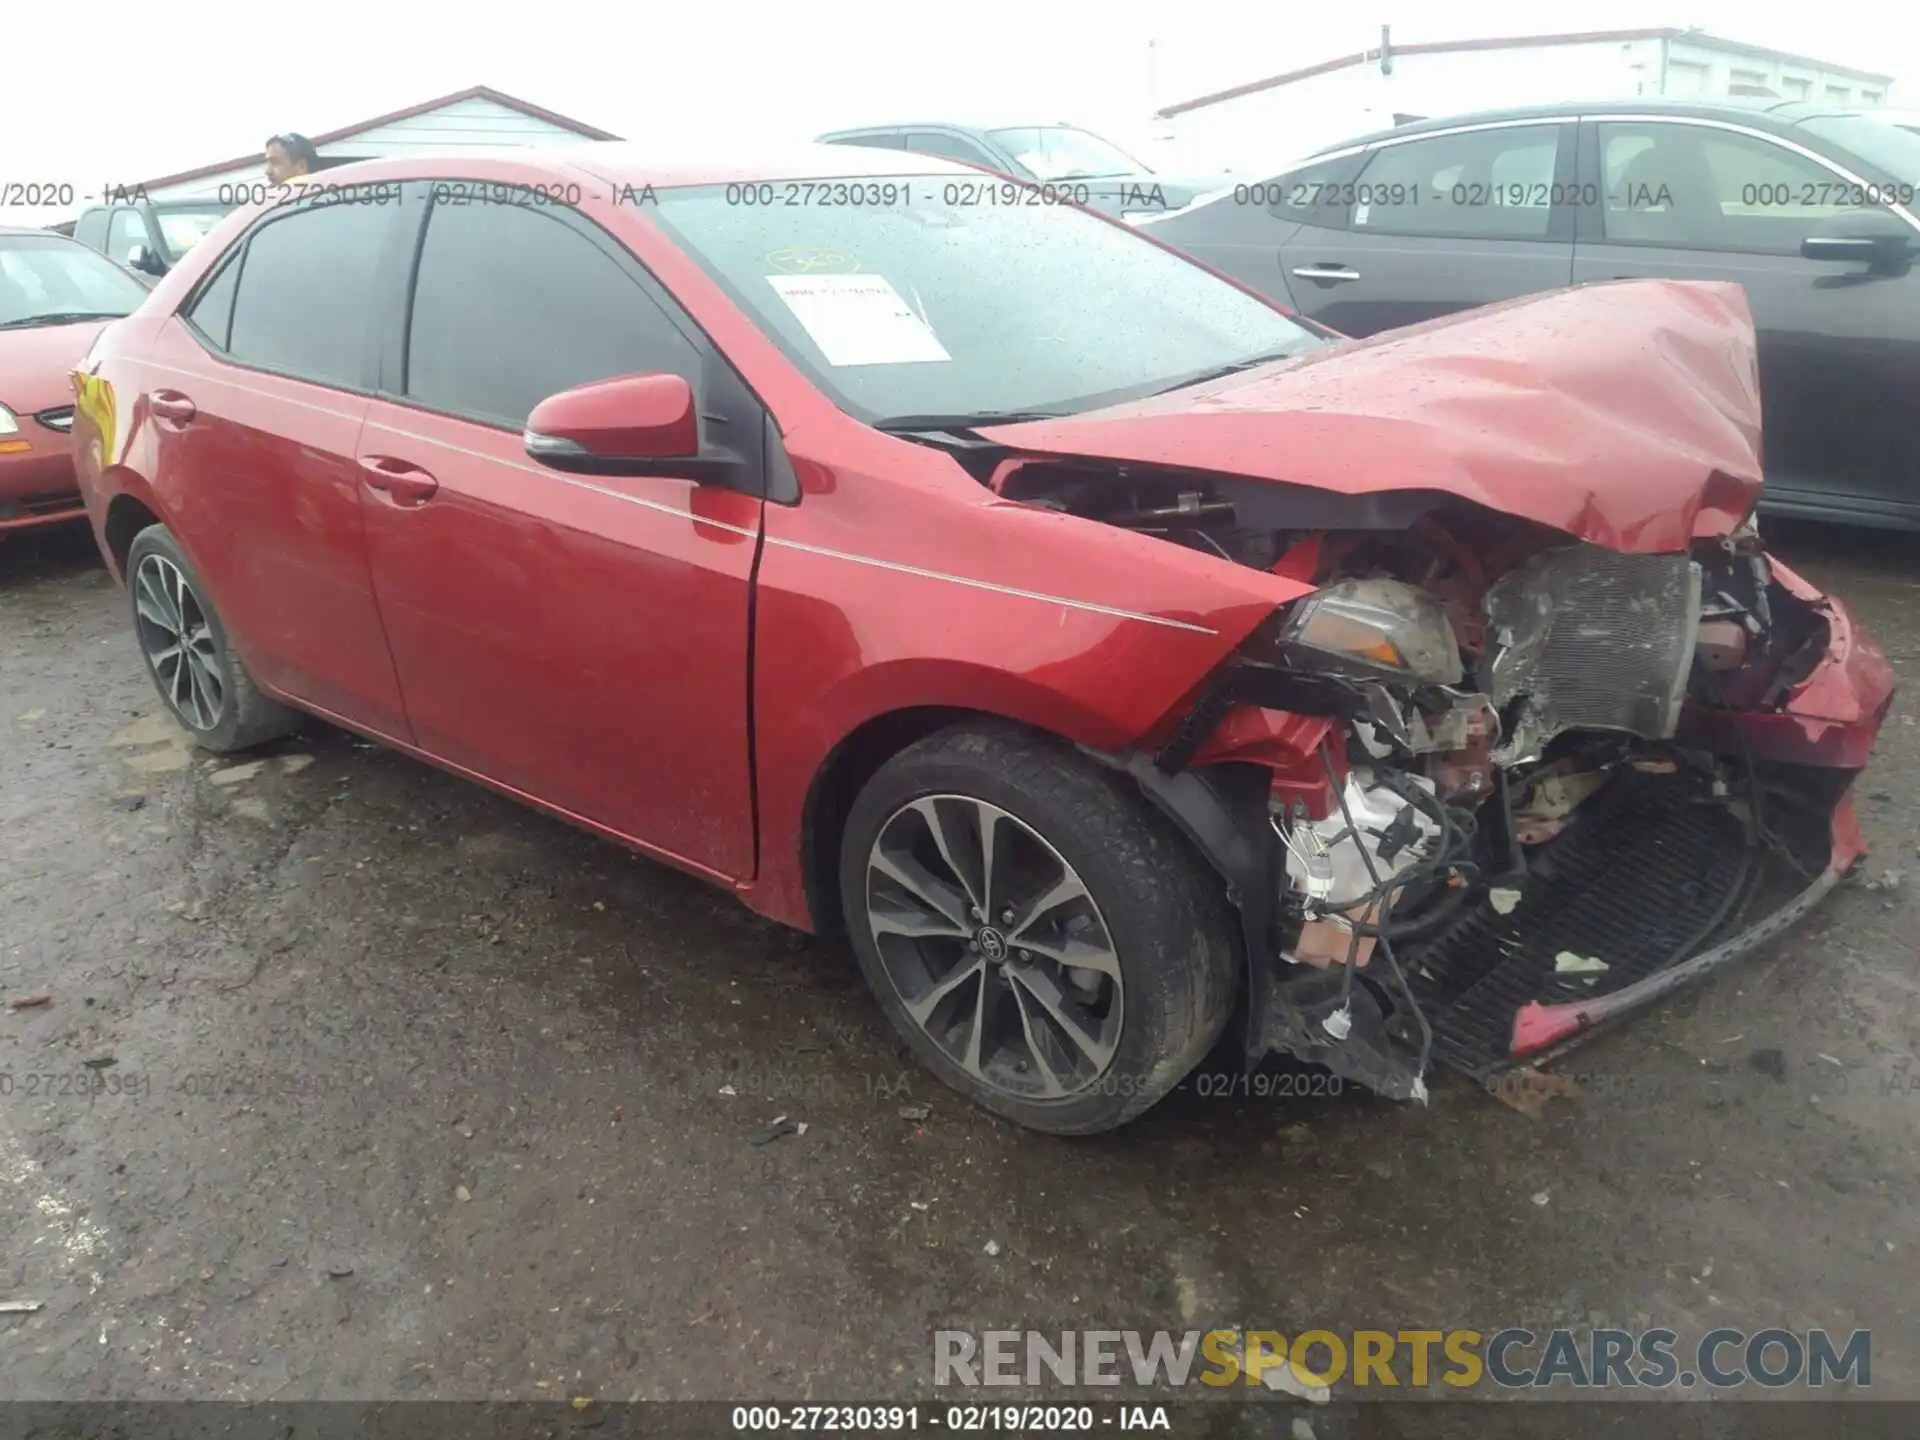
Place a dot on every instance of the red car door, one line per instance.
(253, 395)
(580, 640)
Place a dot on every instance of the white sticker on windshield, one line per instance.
(1360, 213)
(858, 320)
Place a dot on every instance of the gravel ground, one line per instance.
(404, 1091)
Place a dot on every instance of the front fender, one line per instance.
(1102, 682)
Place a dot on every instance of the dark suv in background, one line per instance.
(1811, 208)
(1094, 172)
(149, 236)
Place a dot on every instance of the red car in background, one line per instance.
(55, 297)
(1106, 652)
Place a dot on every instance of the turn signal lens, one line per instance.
(1371, 627)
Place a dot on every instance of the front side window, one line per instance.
(51, 280)
(512, 304)
(964, 296)
(1695, 188)
(1062, 152)
(305, 297)
(1485, 184)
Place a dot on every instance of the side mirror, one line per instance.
(1884, 244)
(146, 260)
(629, 425)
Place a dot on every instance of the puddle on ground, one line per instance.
(165, 748)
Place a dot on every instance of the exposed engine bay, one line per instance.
(1516, 807)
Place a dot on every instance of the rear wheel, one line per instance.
(1042, 940)
(185, 647)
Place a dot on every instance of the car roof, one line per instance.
(640, 164)
(965, 127)
(1771, 113)
(881, 129)
(34, 233)
(176, 202)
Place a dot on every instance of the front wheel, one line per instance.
(1042, 940)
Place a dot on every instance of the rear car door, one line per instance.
(1699, 199)
(266, 372)
(1243, 233)
(582, 640)
(1436, 223)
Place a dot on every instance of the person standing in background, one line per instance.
(289, 157)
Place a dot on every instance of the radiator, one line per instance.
(1582, 638)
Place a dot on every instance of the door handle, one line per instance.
(405, 484)
(1332, 274)
(171, 405)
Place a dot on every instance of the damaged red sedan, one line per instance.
(1123, 665)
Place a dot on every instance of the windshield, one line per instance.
(1889, 140)
(947, 297)
(45, 281)
(1060, 152)
(184, 229)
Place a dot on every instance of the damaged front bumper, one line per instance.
(1694, 853)
(1656, 890)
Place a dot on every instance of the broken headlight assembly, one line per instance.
(1365, 630)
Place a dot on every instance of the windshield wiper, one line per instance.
(962, 422)
(1222, 371)
(62, 317)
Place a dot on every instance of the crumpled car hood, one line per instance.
(1626, 414)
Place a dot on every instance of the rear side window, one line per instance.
(1493, 184)
(212, 313)
(950, 147)
(1314, 195)
(512, 304)
(305, 293)
(890, 140)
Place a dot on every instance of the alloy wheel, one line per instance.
(995, 947)
(178, 643)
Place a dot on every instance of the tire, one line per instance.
(211, 695)
(1150, 919)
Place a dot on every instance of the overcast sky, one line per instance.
(137, 93)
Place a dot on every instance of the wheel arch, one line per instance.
(127, 515)
(1218, 810)
(838, 781)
